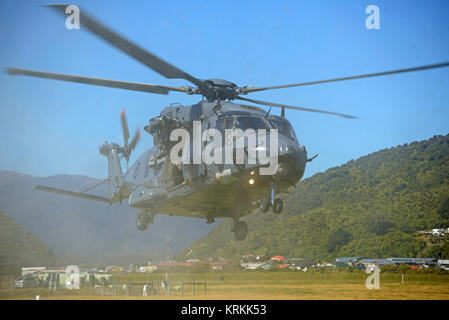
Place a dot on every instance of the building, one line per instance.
(430, 262)
(31, 270)
(111, 269)
(193, 260)
(345, 262)
(252, 265)
(277, 258)
(299, 263)
(148, 269)
(371, 264)
(443, 264)
(440, 232)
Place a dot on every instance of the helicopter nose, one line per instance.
(291, 163)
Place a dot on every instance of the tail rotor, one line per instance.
(128, 148)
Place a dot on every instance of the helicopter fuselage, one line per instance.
(214, 190)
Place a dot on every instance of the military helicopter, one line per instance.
(155, 184)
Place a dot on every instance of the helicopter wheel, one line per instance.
(240, 230)
(143, 221)
(265, 204)
(278, 205)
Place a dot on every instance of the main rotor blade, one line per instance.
(368, 75)
(150, 60)
(272, 104)
(97, 82)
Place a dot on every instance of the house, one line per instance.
(252, 265)
(277, 258)
(414, 261)
(299, 263)
(266, 266)
(147, 269)
(443, 264)
(110, 269)
(440, 232)
(31, 270)
(345, 262)
(193, 260)
(372, 264)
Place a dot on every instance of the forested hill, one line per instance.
(372, 207)
(19, 245)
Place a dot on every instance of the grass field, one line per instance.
(258, 286)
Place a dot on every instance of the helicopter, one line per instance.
(155, 184)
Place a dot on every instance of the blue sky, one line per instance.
(49, 127)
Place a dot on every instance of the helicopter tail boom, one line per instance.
(115, 175)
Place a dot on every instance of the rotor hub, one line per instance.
(218, 89)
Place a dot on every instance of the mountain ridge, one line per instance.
(372, 206)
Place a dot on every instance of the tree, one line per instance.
(338, 239)
(443, 210)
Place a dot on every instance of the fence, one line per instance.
(117, 288)
(193, 284)
(217, 283)
(7, 286)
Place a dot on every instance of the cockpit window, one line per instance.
(225, 123)
(245, 123)
(229, 123)
(284, 128)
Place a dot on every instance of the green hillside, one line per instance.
(17, 244)
(372, 207)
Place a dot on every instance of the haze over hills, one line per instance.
(371, 207)
(80, 230)
(18, 245)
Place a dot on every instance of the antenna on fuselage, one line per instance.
(268, 112)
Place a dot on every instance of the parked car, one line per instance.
(26, 282)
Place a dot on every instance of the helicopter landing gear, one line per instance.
(144, 219)
(240, 230)
(271, 201)
(265, 204)
(276, 203)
